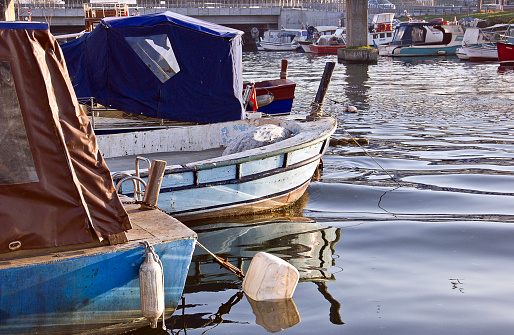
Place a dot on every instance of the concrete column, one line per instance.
(357, 23)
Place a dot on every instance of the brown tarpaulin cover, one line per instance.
(55, 188)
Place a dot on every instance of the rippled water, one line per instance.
(410, 234)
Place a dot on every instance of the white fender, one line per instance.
(151, 289)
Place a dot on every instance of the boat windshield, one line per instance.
(156, 52)
(398, 36)
(16, 162)
(409, 35)
(330, 40)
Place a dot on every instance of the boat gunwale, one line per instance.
(248, 178)
(250, 155)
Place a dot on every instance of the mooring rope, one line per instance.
(317, 112)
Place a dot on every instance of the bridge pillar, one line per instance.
(357, 49)
(356, 23)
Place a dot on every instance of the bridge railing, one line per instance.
(327, 5)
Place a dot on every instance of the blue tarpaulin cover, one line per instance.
(163, 65)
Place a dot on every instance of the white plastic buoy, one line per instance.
(151, 287)
(270, 278)
(351, 109)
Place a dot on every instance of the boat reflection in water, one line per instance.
(302, 242)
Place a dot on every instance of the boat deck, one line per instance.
(125, 163)
(153, 226)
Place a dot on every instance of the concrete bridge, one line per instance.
(69, 18)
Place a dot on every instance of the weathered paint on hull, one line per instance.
(87, 292)
(255, 180)
(252, 208)
(267, 185)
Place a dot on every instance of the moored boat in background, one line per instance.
(505, 53)
(282, 39)
(423, 39)
(505, 48)
(314, 33)
(479, 44)
(381, 30)
(329, 44)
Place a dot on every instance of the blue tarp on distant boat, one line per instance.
(162, 65)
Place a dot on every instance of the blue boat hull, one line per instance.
(426, 51)
(278, 107)
(87, 292)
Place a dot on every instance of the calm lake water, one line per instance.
(430, 252)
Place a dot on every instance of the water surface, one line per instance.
(410, 234)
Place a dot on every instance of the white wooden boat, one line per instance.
(479, 44)
(282, 39)
(200, 182)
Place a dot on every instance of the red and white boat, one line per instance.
(274, 97)
(505, 52)
(328, 44)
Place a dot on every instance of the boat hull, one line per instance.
(480, 53)
(326, 49)
(283, 95)
(94, 287)
(275, 46)
(417, 50)
(87, 292)
(505, 53)
(253, 196)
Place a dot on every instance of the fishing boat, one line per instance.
(505, 52)
(381, 29)
(282, 39)
(424, 39)
(71, 249)
(313, 33)
(273, 97)
(201, 181)
(479, 44)
(329, 44)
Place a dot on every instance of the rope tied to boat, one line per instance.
(316, 111)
